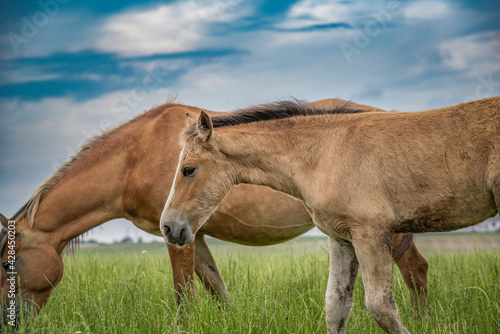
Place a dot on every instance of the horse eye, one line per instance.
(188, 171)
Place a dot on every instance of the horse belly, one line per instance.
(448, 215)
(227, 228)
(258, 216)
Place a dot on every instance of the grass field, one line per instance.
(278, 289)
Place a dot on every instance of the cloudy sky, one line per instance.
(71, 69)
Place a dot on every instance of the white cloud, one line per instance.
(427, 10)
(313, 12)
(308, 13)
(21, 76)
(475, 54)
(175, 27)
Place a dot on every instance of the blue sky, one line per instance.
(71, 69)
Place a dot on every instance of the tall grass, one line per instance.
(274, 290)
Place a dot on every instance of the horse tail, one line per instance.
(403, 246)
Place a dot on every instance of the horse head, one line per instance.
(201, 182)
(31, 268)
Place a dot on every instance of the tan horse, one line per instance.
(362, 176)
(128, 173)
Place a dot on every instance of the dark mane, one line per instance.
(273, 111)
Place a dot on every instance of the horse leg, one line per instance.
(413, 268)
(343, 272)
(182, 261)
(207, 271)
(373, 251)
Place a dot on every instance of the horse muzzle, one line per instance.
(176, 230)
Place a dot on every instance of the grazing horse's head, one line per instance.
(203, 178)
(30, 268)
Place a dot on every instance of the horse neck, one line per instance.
(89, 194)
(123, 176)
(263, 157)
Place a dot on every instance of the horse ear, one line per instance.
(204, 126)
(5, 222)
(189, 120)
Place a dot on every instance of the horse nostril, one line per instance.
(166, 229)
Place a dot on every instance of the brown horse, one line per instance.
(128, 173)
(362, 176)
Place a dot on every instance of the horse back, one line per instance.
(433, 170)
(451, 158)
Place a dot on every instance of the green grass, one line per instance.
(278, 289)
